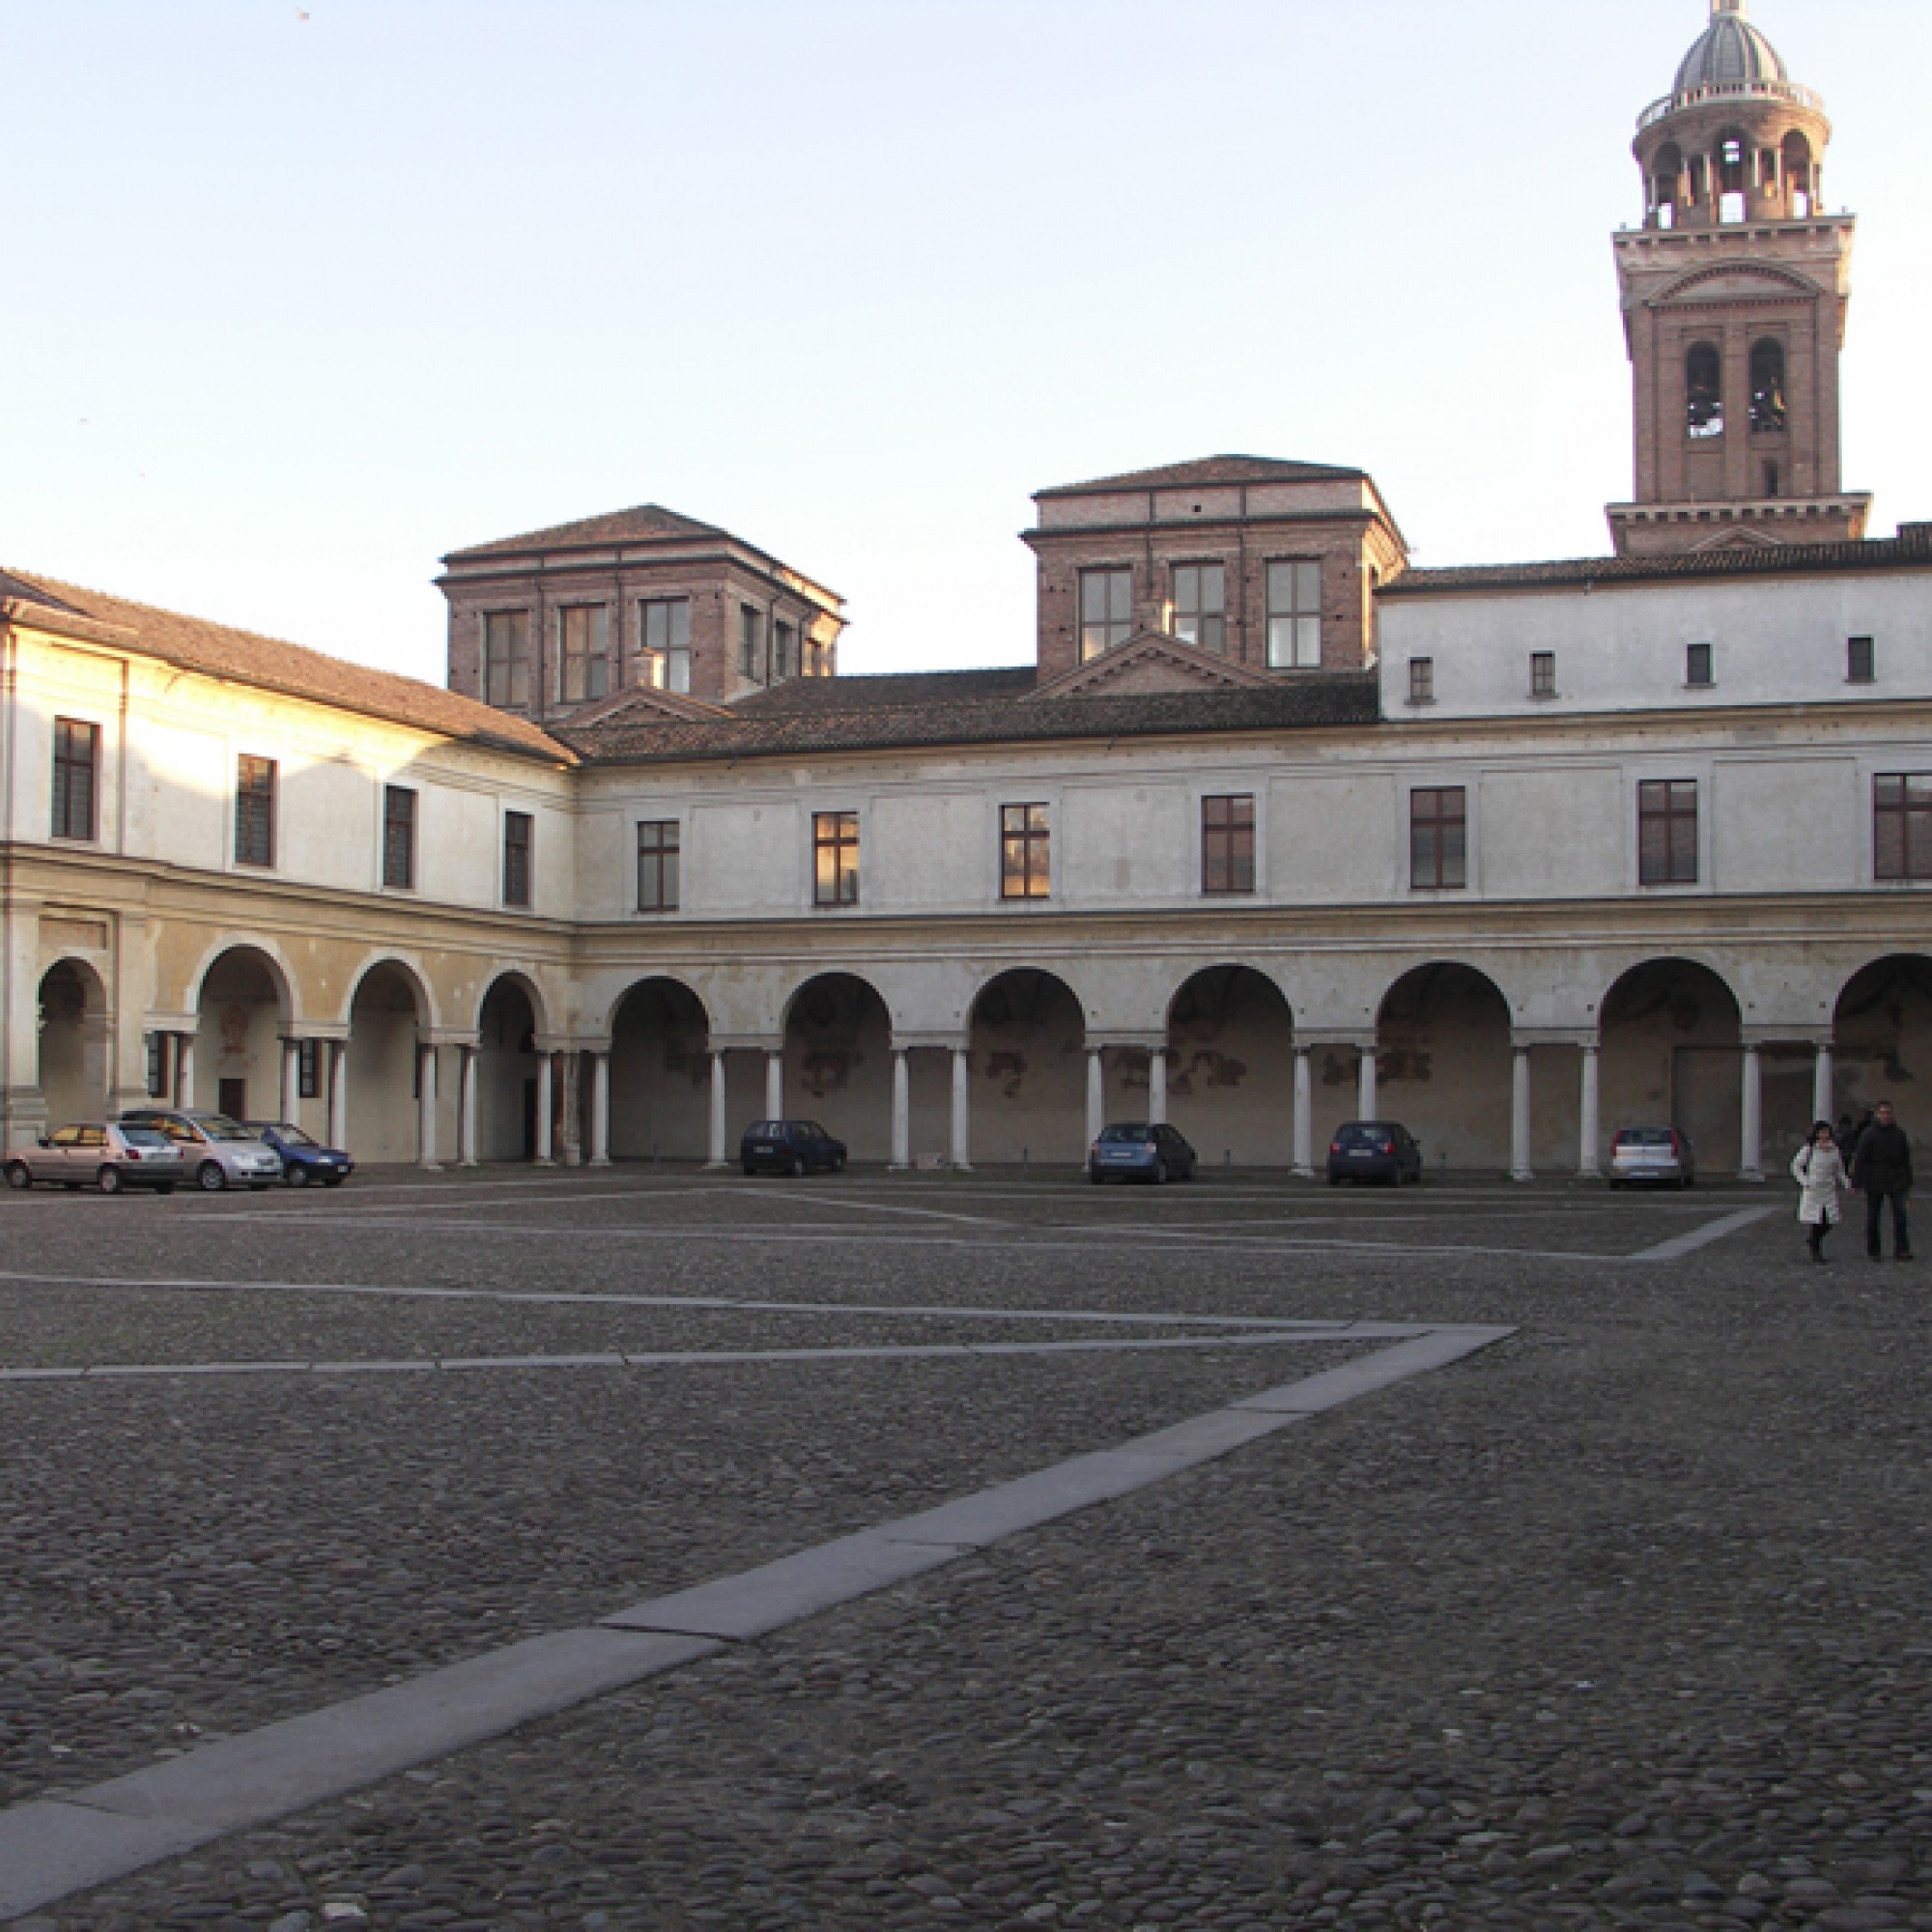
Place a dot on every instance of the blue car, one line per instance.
(1136, 1151)
(304, 1160)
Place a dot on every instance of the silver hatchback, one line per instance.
(216, 1151)
(1651, 1157)
(107, 1154)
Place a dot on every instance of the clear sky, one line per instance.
(298, 297)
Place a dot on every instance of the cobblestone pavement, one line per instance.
(1620, 1622)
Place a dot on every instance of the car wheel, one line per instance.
(108, 1181)
(1334, 1180)
(18, 1176)
(334, 1180)
(209, 1177)
(1094, 1175)
(1160, 1174)
(798, 1167)
(838, 1163)
(296, 1176)
(751, 1172)
(164, 1187)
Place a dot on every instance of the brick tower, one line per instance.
(1735, 292)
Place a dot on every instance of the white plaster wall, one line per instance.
(1124, 844)
(1777, 822)
(1332, 840)
(1544, 834)
(908, 828)
(744, 858)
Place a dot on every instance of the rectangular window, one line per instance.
(1439, 839)
(664, 625)
(1228, 843)
(506, 659)
(1699, 669)
(751, 641)
(1106, 611)
(1201, 604)
(255, 812)
(1667, 831)
(834, 851)
(584, 631)
(1902, 826)
(657, 866)
(519, 828)
(1543, 674)
(308, 1069)
(157, 1065)
(77, 778)
(1862, 659)
(785, 640)
(1295, 617)
(399, 837)
(1026, 852)
(1422, 680)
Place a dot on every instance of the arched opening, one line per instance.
(1443, 1065)
(1767, 388)
(1666, 184)
(1882, 1035)
(74, 1030)
(1731, 162)
(1672, 1056)
(660, 1074)
(838, 1062)
(244, 1010)
(1800, 183)
(1230, 1067)
(1029, 1062)
(507, 1071)
(384, 1018)
(1704, 390)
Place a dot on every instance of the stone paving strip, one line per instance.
(52, 1848)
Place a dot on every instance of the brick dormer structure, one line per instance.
(1734, 296)
(551, 624)
(1271, 565)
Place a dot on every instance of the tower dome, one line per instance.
(1730, 52)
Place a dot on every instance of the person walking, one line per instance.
(1883, 1169)
(1819, 1169)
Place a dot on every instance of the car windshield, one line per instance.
(293, 1136)
(1125, 1136)
(219, 1127)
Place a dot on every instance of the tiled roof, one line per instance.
(1327, 698)
(1209, 469)
(1782, 561)
(823, 696)
(217, 650)
(646, 524)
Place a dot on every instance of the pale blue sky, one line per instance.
(300, 298)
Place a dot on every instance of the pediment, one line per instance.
(1149, 664)
(1737, 539)
(646, 700)
(1753, 282)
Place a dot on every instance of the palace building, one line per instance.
(1273, 829)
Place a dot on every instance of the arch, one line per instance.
(1230, 1065)
(524, 984)
(74, 1031)
(1881, 1036)
(389, 1012)
(409, 971)
(274, 963)
(1704, 390)
(1671, 1033)
(1444, 1062)
(244, 1004)
(839, 1061)
(1027, 1035)
(1730, 172)
(508, 1020)
(1667, 183)
(1796, 162)
(660, 1070)
(789, 1007)
(1768, 412)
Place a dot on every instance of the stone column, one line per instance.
(1824, 1084)
(1589, 1164)
(1520, 1168)
(1750, 1154)
(600, 1107)
(426, 1109)
(466, 1070)
(185, 1070)
(716, 1156)
(901, 1110)
(962, 1110)
(290, 1100)
(775, 1085)
(338, 1093)
(1365, 1079)
(545, 1107)
(1157, 1086)
(1097, 1092)
(1304, 1114)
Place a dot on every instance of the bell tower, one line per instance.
(1735, 293)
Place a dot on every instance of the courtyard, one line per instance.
(636, 1548)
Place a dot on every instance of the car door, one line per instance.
(88, 1154)
(54, 1161)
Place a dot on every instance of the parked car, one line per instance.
(790, 1147)
(109, 1155)
(1651, 1157)
(1374, 1151)
(216, 1151)
(1134, 1151)
(303, 1158)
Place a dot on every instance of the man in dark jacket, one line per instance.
(1883, 1168)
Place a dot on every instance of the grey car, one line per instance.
(1653, 1158)
(216, 1151)
(109, 1155)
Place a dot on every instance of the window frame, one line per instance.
(1295, 614)
(1210, 622)
(66, 767)
(1422, 680)
(407, 823)
(253, 802)
(664, 664)
(1229, 835)
(1862, 659)
(308, 1069)
(1035, 842)
(1111, 575)
(594, 663)
(751, 643)
(668, 859)
(1694, 662)
(527, 847)
(1908, 813)
(1543, 675)
(515, 665)
(835, 833)
(1671, 818)
(1450, 870)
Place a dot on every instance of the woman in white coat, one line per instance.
(1819, 1169)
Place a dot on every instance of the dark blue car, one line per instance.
(1136, 1151)
(790, 1147)
(304, 1160)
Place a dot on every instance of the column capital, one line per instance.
(933, 1042)
(1362, 1042)
(172, 1023)
(747, 1042)
(1141, 1041)
(314, 1029)
(1812, 1038)
(1522, 1039)
(446, 1037)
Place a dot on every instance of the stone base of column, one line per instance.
(962, 1167)
(542, 1160)
(600, 1160)
(469, 1163)
(429, 1166)
(716, 1167)
(1303, 1173)
(1753, 1177)
(1522, 1174)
